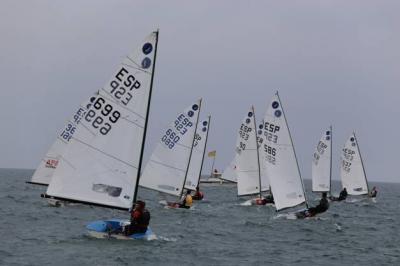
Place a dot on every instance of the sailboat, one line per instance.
(322, 163)
(248, 160)
(168, 167)
(197, 160)
(352, 170)
(280, 157)
(102, 162)
(229, 173)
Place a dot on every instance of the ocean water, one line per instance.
(217, 231)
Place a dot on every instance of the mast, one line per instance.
(191, 150)
(204, 151)
(146, 121)
(330, 170)
(362, 162)
(258, 153)
(295, 156)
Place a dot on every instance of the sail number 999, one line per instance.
(100, 119)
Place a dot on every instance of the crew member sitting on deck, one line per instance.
(140, 219)
(342, 195)
(198, 195)
(269, 199)
(373, 192)
(323, 206)
(186, 200)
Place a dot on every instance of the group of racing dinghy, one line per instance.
(97, 159)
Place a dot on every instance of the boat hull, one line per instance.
(105, 229)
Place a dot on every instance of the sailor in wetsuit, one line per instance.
(140, 219)
(186, 200)
(373, 192)
(198, 195)
(323, 206)
(342, 195)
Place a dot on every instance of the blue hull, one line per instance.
(115, 224)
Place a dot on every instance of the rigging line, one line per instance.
(85, 127)
(104, 153)
(117, 102)
(137, 68)
(168, 166)
(179, 144)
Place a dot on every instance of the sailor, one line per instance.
(186, 200)
(342, 195)
(323, 206)
(269, 198)
(140, 219)
(373, 192)
(198, 195)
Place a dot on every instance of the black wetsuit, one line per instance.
(138, 225)
(373, 193)
(269, 199)
(343, 195)
(323, 206)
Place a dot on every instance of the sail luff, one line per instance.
(135, 192)
(362, 162)
(294, 151)
(330, 163)
(257, 150)
(191, 150)
(205, 148)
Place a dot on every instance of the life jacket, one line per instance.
(143, 220)
(188, 200)
(198, 195)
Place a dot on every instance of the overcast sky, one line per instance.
(333, 62)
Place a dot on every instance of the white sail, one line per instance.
(279, 155)
(49, 163)
(247, 164)
(230, 173)
(322, 163)
(352, 170)
(168, 165)
(199, 148)
(100, 164)
(265, 185)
